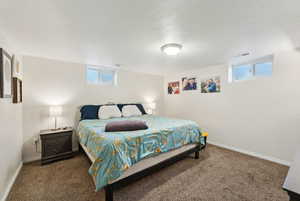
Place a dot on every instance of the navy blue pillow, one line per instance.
(140, 106)
(89, 112)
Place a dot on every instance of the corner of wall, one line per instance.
(11, 182)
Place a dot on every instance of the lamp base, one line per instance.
(55, 125)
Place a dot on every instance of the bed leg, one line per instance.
(79, 149)
(197, 154)
(109, 193)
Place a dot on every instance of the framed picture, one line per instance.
(211, 85)
(5, 74)
(173, 88)
(16, 66)
(17, 90)
(189, 83)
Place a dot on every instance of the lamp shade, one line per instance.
(55, 111)
(152, 105)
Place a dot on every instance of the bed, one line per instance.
(118, 158)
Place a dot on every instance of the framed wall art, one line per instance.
(173, 88)
(189, 83)
(211, 85)
(5, 74)
(17, 90)
(16, 66)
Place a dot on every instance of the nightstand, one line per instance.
(56, 144)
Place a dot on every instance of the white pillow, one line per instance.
(109, 111)
(131, 110)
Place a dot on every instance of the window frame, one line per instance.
(253, 63)
(100, 70)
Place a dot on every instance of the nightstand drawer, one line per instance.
(56, 145)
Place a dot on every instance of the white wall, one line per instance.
(261, 116)
(50, 82)
(10, 139)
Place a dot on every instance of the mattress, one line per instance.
(115, 152)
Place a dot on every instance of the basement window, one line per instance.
(101, 75)
(251, 70)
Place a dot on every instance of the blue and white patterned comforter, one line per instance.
(115, 152)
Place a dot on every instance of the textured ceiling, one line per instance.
(130, 32)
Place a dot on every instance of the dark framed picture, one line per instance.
(5, 74)
(17, 90)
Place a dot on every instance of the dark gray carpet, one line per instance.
(219, 175)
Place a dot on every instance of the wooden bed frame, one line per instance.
(109, 189)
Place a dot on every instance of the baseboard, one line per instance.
(32, 159)
(257, 155)
(11, 183)
(38, 157)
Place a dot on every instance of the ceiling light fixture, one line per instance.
(171, 48)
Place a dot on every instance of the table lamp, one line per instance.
(55, 111)
(151, 107)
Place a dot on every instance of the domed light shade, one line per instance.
(171, 48)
